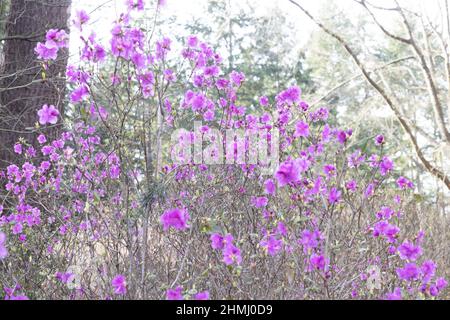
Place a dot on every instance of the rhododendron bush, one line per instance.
(143, 195)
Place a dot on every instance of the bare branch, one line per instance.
(403, 122)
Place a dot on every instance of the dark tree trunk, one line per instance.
(23, 90)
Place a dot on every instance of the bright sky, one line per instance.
(104, 11)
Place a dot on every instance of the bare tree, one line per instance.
(419, 44)
(23, 86)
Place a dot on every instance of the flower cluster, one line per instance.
(177, 294)
(231, 254)
(55, 40)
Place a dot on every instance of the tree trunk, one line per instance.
(23, 89)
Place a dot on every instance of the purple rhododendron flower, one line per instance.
(209, 115)
(351, 185)
(269, 187)
(217, 241)
(379, 140)
(65, 277)
(387, 230)
(259, 202)
(404, 183)
(58, 38)
(10, 294)
(441, 284)
(301, 129)
(386, 166)
(329, 170)
(18, 148)
(237, 78)
(175, 294)
(3, 250)
(176, 218)
(428, 270)
(290, 96)
(396, 295)
(272, 245)
(135, 4)
(231, 254)
(192, 41)
(385, 213)
(318, 262)
(334, 195)
(79, 94)
(46, 51)
(409, 272)
(287, 172)
(202, 295)
(48, 114)
(264, 101)
(356, 159)
(408, 251)
(81, 17)
(310, 239)
(341, 137)
(120, 285)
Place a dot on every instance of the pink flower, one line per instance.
(135, 4)
(318, 262)
(441, 283)
(175, 294)
(237, 78)
(409, 272)
(231, 255)
(217, 241)
(386, 166)
(46, 51)
(408, 251)
(379, 140)
(396, 295)
(259, 202)
(65, 277)
(290, 96)
(208, 115)
(428, 269)
(120, 285)
(404, 183)
(79, 94)
(192, 41)
(301, 129)
(334, 195)
(81, 17)
(3, 250)
(387, 230)
(269, 187)
(310, 240)
(264, 101)
(202, 295)
(18, 148)
(287, 172)
(351, 185)
(48, 114)
(272, 245)
(57, 38)
(18, 228)
(176, 218)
